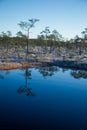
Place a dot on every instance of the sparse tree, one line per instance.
(21, 35)
(46, 33)
(56, 35)
(9, 34)
(6, 38)
(78, 42)
(41, 37)
(26, 26)
(84, 35)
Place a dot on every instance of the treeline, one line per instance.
(45, 38)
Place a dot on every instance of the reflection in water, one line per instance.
(1, 76)
(64, 70)
(25, 89)
(79, 74)
(45, 71)
(59, 105)
(7, 72)
(48, 71)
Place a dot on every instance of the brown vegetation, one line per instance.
(9, 66)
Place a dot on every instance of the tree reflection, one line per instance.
(25, 89)
(2, 72)
(48, 71)
(64, 70)
(77, 74)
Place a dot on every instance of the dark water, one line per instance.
(43, 99)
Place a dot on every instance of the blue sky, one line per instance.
(66, 16)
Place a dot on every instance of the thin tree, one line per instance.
(6, 37)
(26, 26)
(84, 34)
(46, 31)
(77, 41)
(56, 38)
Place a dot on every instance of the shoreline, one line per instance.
(71, 64)
(60, 63)
(17, 65)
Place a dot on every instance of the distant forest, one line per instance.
(45, 39)
(49, 38)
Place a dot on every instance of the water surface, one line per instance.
(48, 98)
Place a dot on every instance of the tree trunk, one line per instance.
(27, 45)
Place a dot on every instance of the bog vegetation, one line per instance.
(48, 43)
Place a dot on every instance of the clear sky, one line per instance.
(69, 17)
